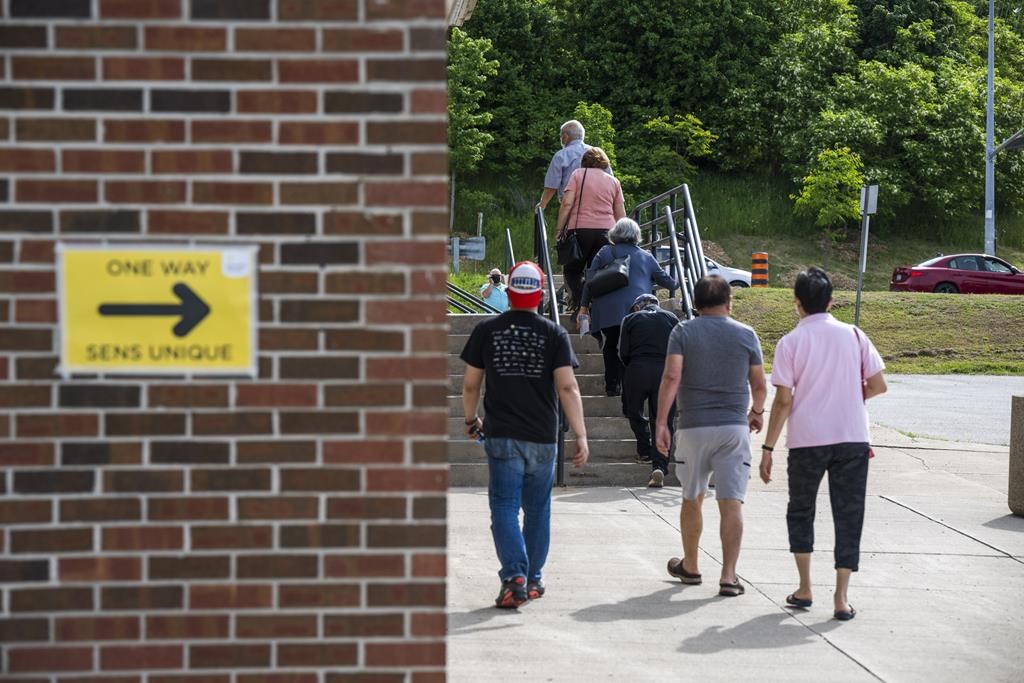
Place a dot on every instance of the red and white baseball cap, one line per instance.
(525, 285)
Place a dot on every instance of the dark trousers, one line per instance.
(640, 386)
(613, 368)
(590, 242)
(847, 467)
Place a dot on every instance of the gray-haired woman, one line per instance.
(606, 312)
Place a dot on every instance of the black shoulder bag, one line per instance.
(612, 277)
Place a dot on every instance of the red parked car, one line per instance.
(963, 273)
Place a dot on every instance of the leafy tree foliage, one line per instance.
(831, 191)
(468, 70)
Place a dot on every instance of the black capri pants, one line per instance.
(847, 467)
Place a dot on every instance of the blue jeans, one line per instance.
(521, 476)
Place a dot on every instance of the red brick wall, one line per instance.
(287, 528)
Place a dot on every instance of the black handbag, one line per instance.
(612, 277)
(567, 246)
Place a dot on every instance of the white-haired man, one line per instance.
(564, 162)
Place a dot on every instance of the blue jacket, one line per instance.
(644, 271)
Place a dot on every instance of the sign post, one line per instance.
(868, 206)
(157, 310)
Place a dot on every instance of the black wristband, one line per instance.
(767, 448)
(757, 413)
(473, 421)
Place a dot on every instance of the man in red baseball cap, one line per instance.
(528, 361)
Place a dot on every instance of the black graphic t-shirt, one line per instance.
(519, 352)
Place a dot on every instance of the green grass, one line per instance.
(915, 333)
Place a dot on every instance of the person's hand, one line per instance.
(473, 426)
(766, 466)
(663, 439)
(582, 454)
(755, 421)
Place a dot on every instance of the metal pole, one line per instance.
(455, 255)
(451, 208)
(862, 264)
(479, 223)
(990, 132)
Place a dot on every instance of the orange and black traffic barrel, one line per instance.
(759, 269)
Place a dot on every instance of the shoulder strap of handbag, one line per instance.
(579, 200)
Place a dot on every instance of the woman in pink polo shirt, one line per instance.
(591, 204)
(824, 371)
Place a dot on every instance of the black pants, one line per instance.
(613, 368)
(591, 242)
(847, 467)
(640, 385)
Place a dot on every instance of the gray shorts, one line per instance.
(724, 450)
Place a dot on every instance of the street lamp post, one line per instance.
(990, 134)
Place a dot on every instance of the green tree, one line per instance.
(664, 151)
(468, 70)
(597, 121)
(831, 190)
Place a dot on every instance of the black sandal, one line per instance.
(794, 601)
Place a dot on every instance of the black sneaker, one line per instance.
(535, 589)
(512, 594)
(643, 459)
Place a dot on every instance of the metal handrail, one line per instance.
(510, 255)
(677, 260)
(461, 307)
(543, 254)
(472, 300)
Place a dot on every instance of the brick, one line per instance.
(26, 98)
(288, 282)
(143, 130)
(418, 70)
(150, 597)
(278, 163)
(190, 452)
(318, 71)
(185, 395)
(188, 509)
(99, 395)
(145, 192)
(428, 39)
(430, 164)
(429, 101)
(405, 595)
(278, 507)
(232, 656)
(275, 101)
(53, 68)
(100, 509)
(322, 253)
(97, 628)
(97, 37)
(230, 9)
(232, 193)
(231, 596)
(364, 625)
(235, 479)
(142, 481)
(190, 567)
(407, 313)
(276, 627)
(407, 194)
(415, 423)
(406, 536)
(319, 310)
(382, 10)
(275, 223)
(321, 10)
(27, 160)
(103, 99)
(319, 368)
(319, 422)
(358, 163)
(61, 425)
(364, 340)
(149, 424)
(429, 281)
(365, 395)
(51, 540)
(275, 40)
(319, 536)
(56, 9)
(35, 311)
(270, 395)
(22, 396)
(13, 454)
(233, 130)
(232, 70)
(49, 659)
(53, 191)
(405, 654)
(149, 537)
(99, 569)
(366, 507)
(349, 102)
(432, 565)
(25, 339)
(188, 627)
(364, 566)
(192, 162)
(144, 69)
(140, 9)
(363, 452)
(407, 368)
(407, 132)
(99, 221)
(318, 133)
(318, 595)
(24, 512)
(54, 130)
(23, 630)
(320, 479)
(23, 571)
(430, 396)
(378, 479)
(103, 161)
(147, 657)
(194, 678)
(27, 281)
(319, 655)
(285, 339)
(23, 36)
(363, 40)
(190, 100)
(343, 223)
(50, 599)
(277, 566)
(37, 251)
(188, 222)
(232, 423)
(100, 453)
(276, 451)
(185, 39)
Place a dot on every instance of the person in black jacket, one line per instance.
(643, 342)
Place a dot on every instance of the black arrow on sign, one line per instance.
(192, 309)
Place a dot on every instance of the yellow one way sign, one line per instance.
(167, 310)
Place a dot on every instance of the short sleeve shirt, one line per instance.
(717, 355)
(498, 298)
(594, 206)
(519, 352)
(824, 362)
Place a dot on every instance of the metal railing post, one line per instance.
(540, 247)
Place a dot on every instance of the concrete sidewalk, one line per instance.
(940, 594)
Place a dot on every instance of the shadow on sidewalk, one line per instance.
(465, 623)
(657, 605)
(1006, 523)
(769, 631)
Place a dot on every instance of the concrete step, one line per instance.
(590, 364)
(594, 474)
(619, 451)
(590, 385)
(581, 345)
(596, 406)
(597, 427)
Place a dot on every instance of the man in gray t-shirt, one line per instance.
(715, 365)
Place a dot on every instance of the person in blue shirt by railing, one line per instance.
(493, 291)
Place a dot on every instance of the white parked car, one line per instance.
(735, 276)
